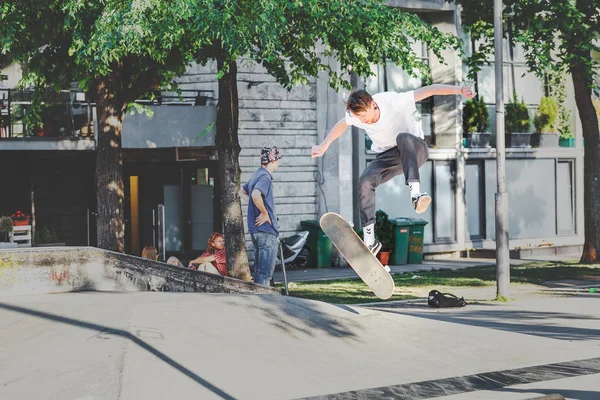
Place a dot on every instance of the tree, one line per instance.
(557, 37)
(121, 50)
(117, 51)
(285, 38)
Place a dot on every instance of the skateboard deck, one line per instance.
(350, 245)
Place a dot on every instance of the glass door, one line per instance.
(186, 195)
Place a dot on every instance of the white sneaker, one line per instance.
(375, 247)
(421, 202)
(387, 268)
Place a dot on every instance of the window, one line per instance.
(391, 78)
(517, 80)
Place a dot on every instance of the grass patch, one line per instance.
(353, 291)
(343, 291)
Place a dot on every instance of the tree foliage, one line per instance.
(285, 37)
(120, 50)
(556, 37)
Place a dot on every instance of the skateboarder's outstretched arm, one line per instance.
(336, 132)
(439, 89)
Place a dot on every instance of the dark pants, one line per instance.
(410, 154)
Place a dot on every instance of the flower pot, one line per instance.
(518, 139)
(544, 139)
(478, 139)
(384, 257)
(567, 142)
(23, 222)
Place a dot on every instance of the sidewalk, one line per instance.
(314, 274)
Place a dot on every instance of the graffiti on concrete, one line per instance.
(59, 274)
(8, 271)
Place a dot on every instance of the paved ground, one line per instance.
(182, 345)
(114, 345)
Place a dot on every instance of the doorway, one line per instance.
(173, 207)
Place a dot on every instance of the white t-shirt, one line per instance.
(396, 115)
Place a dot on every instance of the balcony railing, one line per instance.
(70, 113)
(64, 114)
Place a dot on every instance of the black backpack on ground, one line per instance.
(443, 300)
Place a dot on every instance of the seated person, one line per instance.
(150, 253)
(213, 259)
(174, 261)
(155, 283)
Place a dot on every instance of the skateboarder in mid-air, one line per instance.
(398, 141)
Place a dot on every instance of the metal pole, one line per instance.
(502, 255)
(162, 237)
(285, 282)
(88, 226)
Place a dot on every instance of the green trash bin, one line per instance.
(318, 243)
(415, 241)
(401, 236)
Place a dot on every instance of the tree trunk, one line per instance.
(109, 164)
(228, 148)
(582, 81)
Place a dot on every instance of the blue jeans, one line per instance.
(265, 255)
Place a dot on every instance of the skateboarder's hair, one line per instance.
(358, 101)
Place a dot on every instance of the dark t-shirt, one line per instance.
(262, 181)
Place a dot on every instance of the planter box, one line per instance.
(478, 139)
(24, 222)
(518, 139)
(543, 139)
(569, 142)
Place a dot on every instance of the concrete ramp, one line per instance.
(156, 346)
(68, 269)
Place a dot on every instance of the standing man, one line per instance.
(398, 141)
(262, 220)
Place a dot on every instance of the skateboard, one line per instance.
(350, 245)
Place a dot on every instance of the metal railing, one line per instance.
(64, 114)
(70, 113)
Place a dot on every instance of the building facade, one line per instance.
(170, 168)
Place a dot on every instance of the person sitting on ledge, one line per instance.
(214, 259)
(150, 253)
(174, 261)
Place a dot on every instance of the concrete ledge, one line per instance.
(69, 269)
(527, 253)
(35, 143)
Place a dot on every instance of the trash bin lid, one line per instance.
(417, 221)
(402, 221)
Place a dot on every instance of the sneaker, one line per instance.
(421, 202)
(387, 268)
(375, 247)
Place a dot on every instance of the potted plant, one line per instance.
(476, 122)
(6, 227)
(545, 134)
(384, 232)
(517, 123)
(565, 131)
(20, 219)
